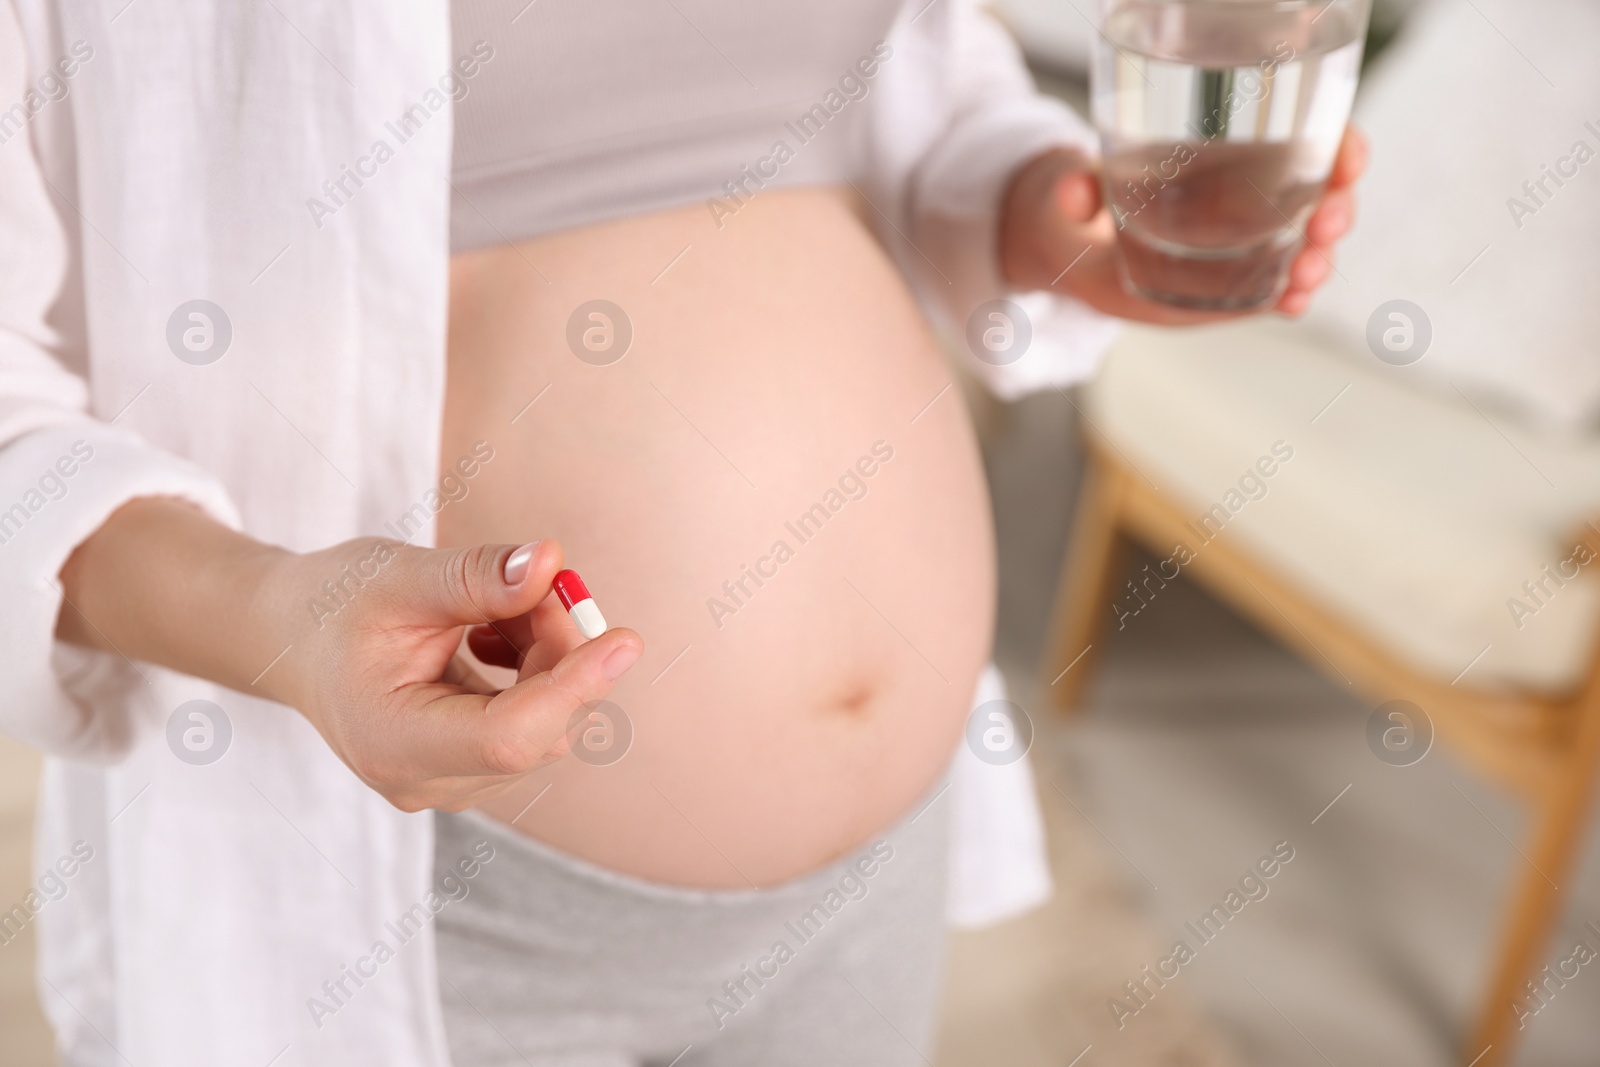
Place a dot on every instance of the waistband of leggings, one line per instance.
(928, 814)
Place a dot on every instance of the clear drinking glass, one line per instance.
(1219, 121)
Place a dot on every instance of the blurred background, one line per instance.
(1424, 544)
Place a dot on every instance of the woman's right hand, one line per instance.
(375, 671)
(361, 638)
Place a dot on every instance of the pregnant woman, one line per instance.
(635, 288)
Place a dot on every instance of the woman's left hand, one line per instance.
(1056, 234)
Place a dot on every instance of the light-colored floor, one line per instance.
(1032, 992)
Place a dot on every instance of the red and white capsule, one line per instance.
(574, 596)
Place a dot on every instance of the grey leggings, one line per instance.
(550, 961)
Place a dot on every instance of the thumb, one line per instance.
(520, 726)
(481, 583)
(1077, 196)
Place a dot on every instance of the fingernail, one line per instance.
(517, 563)
(619, 661)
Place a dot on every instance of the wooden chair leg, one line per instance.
(1094, 553)
(1560, 821)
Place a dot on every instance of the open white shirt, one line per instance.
(174, 163)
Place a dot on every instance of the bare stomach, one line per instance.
(766, 488)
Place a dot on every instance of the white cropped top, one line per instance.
(582, 110)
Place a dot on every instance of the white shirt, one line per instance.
(174, 163)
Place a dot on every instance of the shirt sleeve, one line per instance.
(62, 471)
(958, 115)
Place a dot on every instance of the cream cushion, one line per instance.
(1460, 119)
(1415, 516)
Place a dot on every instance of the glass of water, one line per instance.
(1219, 121)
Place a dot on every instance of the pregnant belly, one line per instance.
(775, 485)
